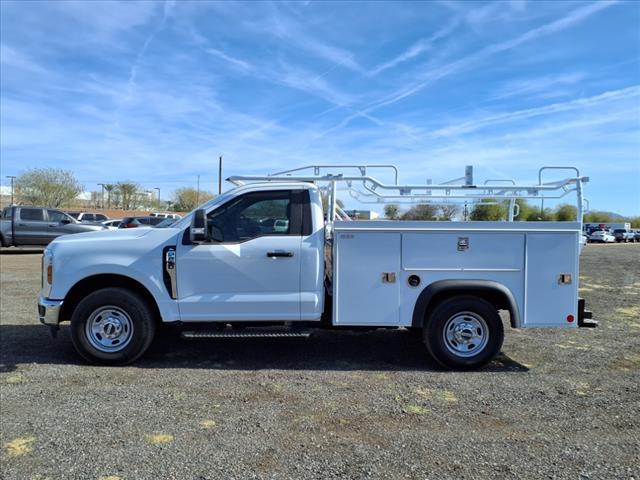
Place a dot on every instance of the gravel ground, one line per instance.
(556, 404)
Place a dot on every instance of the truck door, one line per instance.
(251, 268)
(30, 226)
(58, 224)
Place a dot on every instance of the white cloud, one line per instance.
(431, 76)
(555, 108)
(419, 47)
(227, 58)
(12, 58)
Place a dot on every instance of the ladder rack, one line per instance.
(362, 186)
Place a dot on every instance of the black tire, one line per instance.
(140, 320)
(479, 314)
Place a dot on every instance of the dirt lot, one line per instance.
(557, 404)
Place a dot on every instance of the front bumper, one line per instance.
(49, 311)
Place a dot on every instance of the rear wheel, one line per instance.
(463, 332)
(112, 326)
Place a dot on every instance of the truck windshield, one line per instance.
(186, 220)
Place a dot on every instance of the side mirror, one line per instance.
(65, 221)
(198, 232)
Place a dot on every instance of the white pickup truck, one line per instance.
(265, 255)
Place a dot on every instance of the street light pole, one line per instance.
(12, 177)
(220, 175)
(102, 195)
(158, 188)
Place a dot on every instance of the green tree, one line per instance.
(597, 217)
(489, 210)
(536, 215)
(109, 188)
(525, 209)
(187, 198)
(420, 212)
(128, 192)
(392, 211)
(566, 213)
(47, 187)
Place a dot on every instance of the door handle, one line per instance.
(279, 254)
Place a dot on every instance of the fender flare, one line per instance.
(92, 283)
(480, 288)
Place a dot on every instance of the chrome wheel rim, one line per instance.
(465, 334)
(109, 329)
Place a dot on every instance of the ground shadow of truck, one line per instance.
(340, 351)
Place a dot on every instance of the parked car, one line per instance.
(26, 225)
(636, 235)
(136, 222)
(88, 217)
(601, 236)
(112, 224)
(583, 239)
(165, 215)
(624, 235)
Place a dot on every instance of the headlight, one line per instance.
(47, 265)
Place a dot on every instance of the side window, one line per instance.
(6, 213)
(88, 217)
(253, 215)
(32, 214)
(100, 217)
(56, 216)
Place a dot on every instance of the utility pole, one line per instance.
(158, 188)
(198, 192)
(12, 177)
(102, 195)
(220, 175)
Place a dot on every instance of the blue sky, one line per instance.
(155, 91)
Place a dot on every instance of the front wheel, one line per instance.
(112, 326)
(464, 332)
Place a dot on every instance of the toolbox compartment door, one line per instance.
(549, 300)
(366, 287)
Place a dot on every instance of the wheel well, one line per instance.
(96, 282)
(494, 293)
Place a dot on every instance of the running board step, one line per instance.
(244, 334)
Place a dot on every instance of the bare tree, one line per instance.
(48, 187)
(421, 212)
(448, 211)
(186, 199)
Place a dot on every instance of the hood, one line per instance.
(98, 235)
(132, 241)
